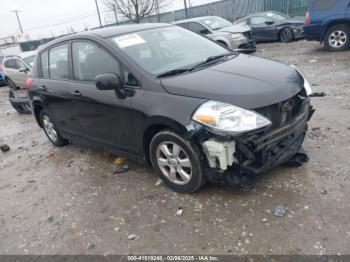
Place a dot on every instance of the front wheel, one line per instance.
(286, 35)
(337, 38)
(177, 162)
(51, 130)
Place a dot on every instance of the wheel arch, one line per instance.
(157, 124)
(37, 107)
(280, 31)
(331, 23)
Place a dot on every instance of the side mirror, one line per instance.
(204, 32)
(269, 22)
(108, 82)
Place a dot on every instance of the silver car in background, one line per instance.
(17, 69)
(222, 31)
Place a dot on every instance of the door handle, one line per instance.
(42, 88)
(76, 93)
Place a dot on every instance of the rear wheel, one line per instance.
(337, 38)
(51, 130)
(177, 162)
(10, 84)
(286, 35)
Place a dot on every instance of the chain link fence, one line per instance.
(231, 10)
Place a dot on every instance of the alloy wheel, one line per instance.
(337, 39)
(49, 128)
(174, 163)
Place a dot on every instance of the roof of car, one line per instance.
(107, 32)
(192, 19)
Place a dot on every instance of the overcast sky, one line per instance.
(45, 18)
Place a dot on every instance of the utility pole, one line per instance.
(115, 14)
(186, 11)
(19, 22)
(98, 13)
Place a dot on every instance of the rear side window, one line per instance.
(89, 60)
(44, 58)
(58, 62)
(184, 25)
(10, 63)
(323, 4)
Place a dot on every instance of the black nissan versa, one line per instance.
(162, 94)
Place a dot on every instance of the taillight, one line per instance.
(28, 83)
(307, 19)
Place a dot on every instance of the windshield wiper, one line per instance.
(211, 59)
(174, 72)
(189, 69)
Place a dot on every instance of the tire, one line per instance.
(337, 38)
(10, 84)
(181, 170)
(286, 35)
(51, 130)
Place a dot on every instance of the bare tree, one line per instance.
(137, 9)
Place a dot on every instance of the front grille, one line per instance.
(282, 113)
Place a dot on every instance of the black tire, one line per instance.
(10, 84)
(196, 179)
(59, 141)
(330, 40)
(286, 35)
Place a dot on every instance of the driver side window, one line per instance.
(198, 28)
(89, 60)
(258, 20)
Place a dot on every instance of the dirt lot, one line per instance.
(68, 201)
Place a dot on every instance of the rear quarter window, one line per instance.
(44, 58)
(319, 5)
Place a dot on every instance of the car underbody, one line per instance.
(236, 159)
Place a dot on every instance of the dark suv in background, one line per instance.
(328, 21)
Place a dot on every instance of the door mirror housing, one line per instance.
(269, 22)
(23, 70)
(108, 82)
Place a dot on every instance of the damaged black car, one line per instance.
(163, 95)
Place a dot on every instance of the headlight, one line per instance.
(226, 117)
(307, 86)
(236, 35)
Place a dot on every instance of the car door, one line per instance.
(54, 84)
(106, 118)
(263, 28)
(22, 73)
(10, 69)
(198, 28)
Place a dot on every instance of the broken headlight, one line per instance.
(226, 117)
(236, 35)
(306, 83)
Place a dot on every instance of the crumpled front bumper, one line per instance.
(255, 153)
(21, 103)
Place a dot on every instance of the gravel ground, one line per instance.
(68, 201)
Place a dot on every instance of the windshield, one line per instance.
(277, 16)
(215, 23)
(168, 48)
(29, 60)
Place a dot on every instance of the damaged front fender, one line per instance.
(233, 158)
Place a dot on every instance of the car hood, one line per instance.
(235, 29)
(245, 81)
